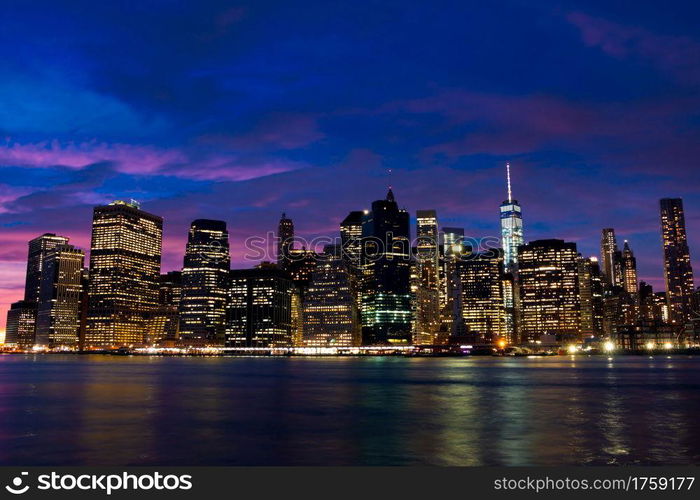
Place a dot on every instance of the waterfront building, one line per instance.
(483, 307)
(259, 309)
(331, 317)
(591, 291)
(163, 323)
(58, 310)
(677, 268)
(38, 248)
(124, 272)
(386, 257)
(425, 286)
(549, 290)
(20, 327)
(204, 281)
(511, 228)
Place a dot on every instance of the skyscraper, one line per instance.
(124, 273)
(38, 248)
(58, 311)
(204, 281)
(426, 289)
(285, 240)
(351, 236)
(511, 228)
(331, 316)
(386, 257)
(549, 290)
(591, 291)
(163, 323)
(483, 307)
(677, 268)
(629, 269)
(259, 310)
(611, 258)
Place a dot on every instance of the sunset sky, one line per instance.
(240, 111)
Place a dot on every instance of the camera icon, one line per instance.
(16, 487)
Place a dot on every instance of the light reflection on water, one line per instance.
(113, 410)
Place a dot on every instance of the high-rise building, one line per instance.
(677, 268)
(58, 310)
(204, 281)
(331, 317)
(483, 308)
(259, 309)
(426, 288)
(629, 269)
(591, 290)
(124, 273)
(38, 248)
(351, 237)
(453, 249)
(511, 228)
(611, 258)
(21, 319)
(163, 323)
(386, 259)
(300, 264)
(549, 290)
(285, 240)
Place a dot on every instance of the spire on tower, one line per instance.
(510, 195)
(390, 195)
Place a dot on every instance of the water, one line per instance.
(114, 410)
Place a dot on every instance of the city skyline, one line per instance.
(246, 120)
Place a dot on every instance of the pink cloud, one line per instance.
(138, 159)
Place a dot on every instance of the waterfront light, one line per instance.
(572, 349)
(668, 345)
(650, 345)
(608, 346)
(501, 344)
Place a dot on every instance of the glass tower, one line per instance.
(511, 228)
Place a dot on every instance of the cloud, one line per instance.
(677, 55)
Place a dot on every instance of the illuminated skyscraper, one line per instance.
(38, 248)
(483, 307)
(611, 258)
(285, 240)
(591, 290)
(511, 228)
(204, 280)
(426, 289)
(124, 273)
(629, 269)
(331, 317)
(351, 236)
(58, 312)
(549, 290)
(259, 309)
(386, 257)
(677, 268)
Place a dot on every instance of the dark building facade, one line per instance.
(259, 310)
(58, 310)
(677, 268)
(204, 280)
(549, 290)
(386, 260)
